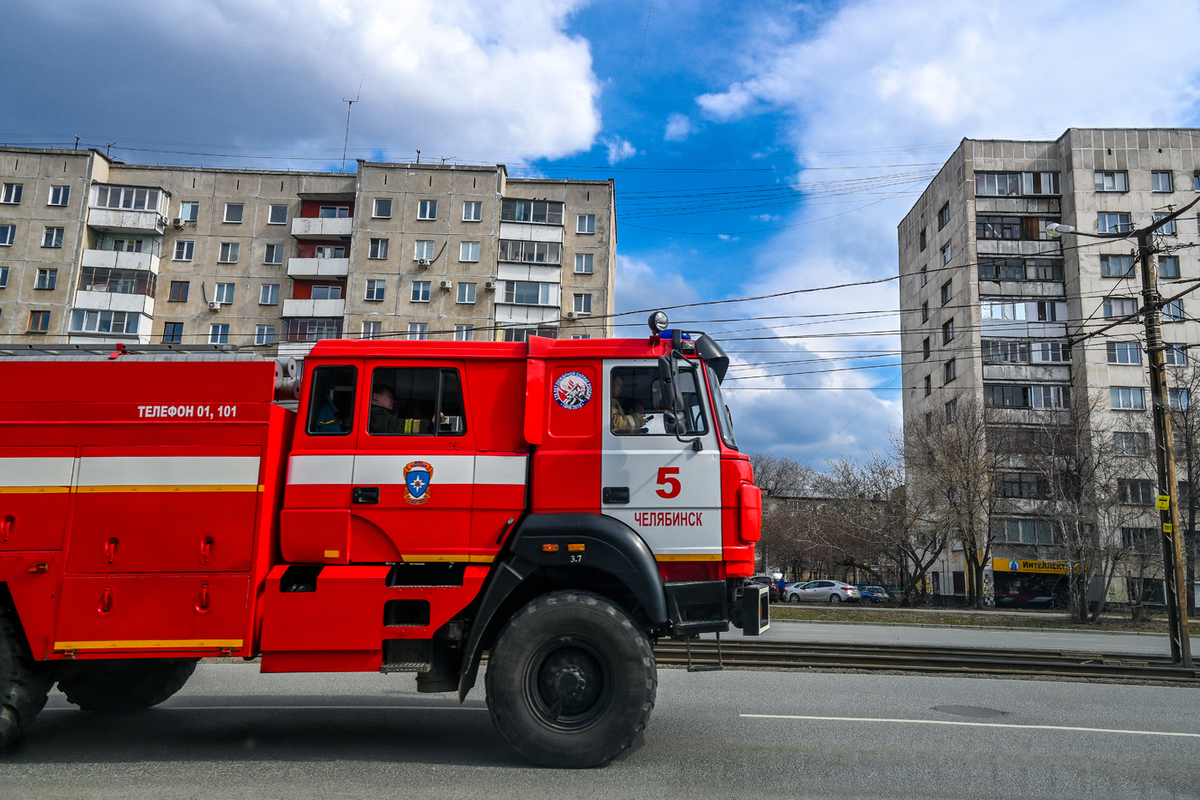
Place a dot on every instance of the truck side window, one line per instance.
(425, 401)
(331, 404)
(637, 404)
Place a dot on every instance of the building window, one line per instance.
(949, 371)
(928, 385)
(466, 293)
(189, 211)
(943, 216)
(12, 193)
(233, 212)
(924, 276)
(527, 293)
(83, 321)
(1115, 307)
(1005, 352)
(423, 251)
(1023, 531)
(46, 279)
(1136, 493)
(1052, 352)
(1168, 266)
(1003, 396)
(3, 277)
(118, 281)
(418, 330)
(1024, 485)
(997, 184)
(583, 303)
(1178, 399)
(184, 250)
(333, 212)
(172, 333)
(464, 333)
(472, 211)
(8, 234)
(1173, 311)
(947, 291)
(218, 334)
(329, 251)
(948, 332)
(420, 291)
(545, 211)
(179, 292)
(376, 289)
(372, 329)
(1113, 222)
(127, 198)
(1127, 398)
(326, 292)
(1161, 182)
(921, 242)
(379, 248)
(268, 294)
(1112, 182)
(229, 252)
(947, 254)
(59, 195)
(1168, 228)
(223, 293)
(278, 215)
(1116, 266)
(1050, 396)
(1001, 309)
(951, 411)
(925, 349)
(53, 237)
(274, 254)
(1175, 355)
(925, 311)
(1131, 443)
(583, 263)
(585, 223)
(264, 334)
(127, 245)
(383, 208)
(1047, 311)
(530, 252)
(1124, 353)
(427, 209)
(39, 321)
(468, 251)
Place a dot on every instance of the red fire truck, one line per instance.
(556, 505)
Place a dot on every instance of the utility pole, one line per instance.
(349, 106)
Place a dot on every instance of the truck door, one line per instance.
(661, 485)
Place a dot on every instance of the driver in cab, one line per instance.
(622, 422)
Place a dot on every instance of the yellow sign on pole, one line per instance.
(1164, 502)
(1168, 527)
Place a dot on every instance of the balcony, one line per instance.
(117, 259)
(322, 227)
(112, 301)
(314, 308)
(119, 220)
(529, 232)
(318, 267)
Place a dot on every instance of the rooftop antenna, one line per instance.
(446, 158)
(349, 106)
(108, 150)
(418, 155)
(76, 142)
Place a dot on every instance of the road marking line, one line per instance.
(974, 724)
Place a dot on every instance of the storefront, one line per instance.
(1029, 584)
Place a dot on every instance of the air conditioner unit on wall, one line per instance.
(214, 305)
(489, 286)
(571, 315)
(177, 222)
(423, 262)
(447, 284)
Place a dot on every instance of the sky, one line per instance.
(762, 149)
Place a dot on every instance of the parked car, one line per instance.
(873, 594)
(823, 592)
(770, 583)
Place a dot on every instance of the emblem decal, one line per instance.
(417, 477)
(572, 390)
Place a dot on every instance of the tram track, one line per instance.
(750, 654)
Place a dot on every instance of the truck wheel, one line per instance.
(120, 686)
(24, 685)
(571, 680)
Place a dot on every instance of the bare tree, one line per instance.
(780, 478)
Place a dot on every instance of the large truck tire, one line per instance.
(571, 680)
(121, 686)
(24, 684)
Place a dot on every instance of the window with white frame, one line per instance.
(372, 329)
(1002, 309)
(585, 223)
(947, 254)
(59, 195)
(1173, 311)
(3, 277)
(420, 291)
(427, 209)
(527, 293)
(264, 335)
(268, 294)
(327, 292)
(1112, 182)
(218, 333)
(229, 252)
(379, 248)
(1168, 228)
(928, 385)
(46, 279)
(382, 208)
(468, 251)
(1051, 352)
(333, 212)
(530, 252)
(8, 234)
(53, 237)
(1113, 222)
(189, 211)
(223, 293)
(1000, 351)
(1161, 182)
(274, 254)
(472, 211)
(1127, 398)
(1124, 353)
(329, 251)
(127, 245)
(1116, 266)
(277, 215)
(1175, 355)
(12, 193)
(1131, 443)
(376, 289)
(546, 211)
(423, 250)
(581, 336)
(1115, 307)
(583, 303)
(1050, 396)
(466, 292)
(84, 321)
(464, 333)
(583, 263)
(1178, 399)
(234, 212)
(184, 249)
(418, 330)
(127, 198)
(943, 217)
(1168, 266)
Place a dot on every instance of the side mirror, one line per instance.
(668, 380)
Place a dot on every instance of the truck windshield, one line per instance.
(721, 412)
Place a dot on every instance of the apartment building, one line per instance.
(993, 308)
(94, 251)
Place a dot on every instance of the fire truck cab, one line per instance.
(555, 506)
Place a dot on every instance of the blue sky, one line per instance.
(765, 147)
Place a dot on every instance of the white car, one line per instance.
(823, 592)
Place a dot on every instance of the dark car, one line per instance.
(873, 594)
(770, 583)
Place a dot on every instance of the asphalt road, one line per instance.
(233, 732)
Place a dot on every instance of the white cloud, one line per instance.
(679, 127)
(641, 285)
(618, 149)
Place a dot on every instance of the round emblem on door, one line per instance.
(572, 390)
